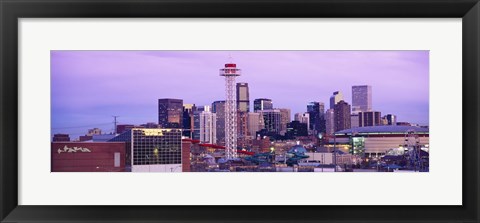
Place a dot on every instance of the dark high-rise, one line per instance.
(369, 118)
(218, 107)
(243, 97)
(296, 128)
(188, 110)
(170, 113)
(316, 111)
(391, 119)
(261, 104)
(342, 116)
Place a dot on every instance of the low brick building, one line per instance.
(88, 156)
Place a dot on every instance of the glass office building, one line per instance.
(154, 149)
(156, 146)
(170, 113)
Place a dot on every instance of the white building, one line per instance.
(376, 140)
(204, 122)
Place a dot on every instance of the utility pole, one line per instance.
(115, 124)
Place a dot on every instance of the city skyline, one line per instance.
(88, 87)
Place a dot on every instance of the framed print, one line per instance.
(223, 111)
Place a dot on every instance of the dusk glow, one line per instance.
(89, 87)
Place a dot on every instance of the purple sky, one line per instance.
(88, 87)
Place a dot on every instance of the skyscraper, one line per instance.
(342, 116)
(272, 120)
(285, 118)
(316, 112)
(243, 97)
(205, 127)
(329, 121)
(218, 107)
(361, 98)
(188, 110)
(369, 118)
(170, 113)
(260, 104)
(335, 98)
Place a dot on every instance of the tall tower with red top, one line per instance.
(230, 72)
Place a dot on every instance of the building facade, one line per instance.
(187, 121)
(61, 138)
(242, 127)
(303, 118)
(121, 128)
(342, 116)
(335, 98)
(377, 140)
(94, 131)
(88, 157)
(255, 123)
(370, 118)
(205, 125)
(170, 113)
(390, 119)
(361, 98)
(354, 120)
(329, 121)
(316, 111)
(296, 128)
(186, 148)
(243, 97)
(156, 150)
(218, 107)
(261, 104)
(272, 120)
(285, 118)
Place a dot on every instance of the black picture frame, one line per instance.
(12, 10)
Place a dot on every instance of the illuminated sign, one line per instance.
(154, 132)
(73, 150)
